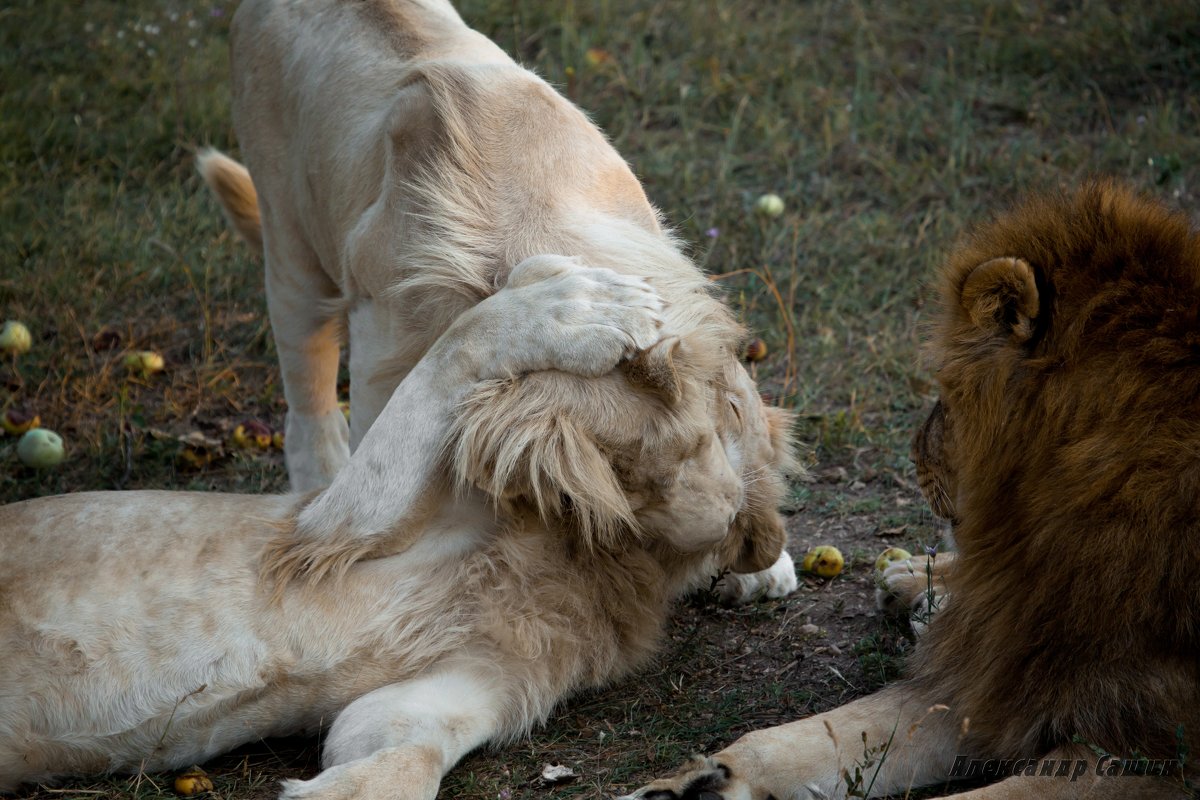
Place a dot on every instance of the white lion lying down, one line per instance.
(137, 630)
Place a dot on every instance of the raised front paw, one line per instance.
(778, 580)
(557, 313)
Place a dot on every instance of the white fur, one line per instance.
(778, 580)
(406, 168)
(557, 314)
(137, 633)
(398, 741)
(403, 169)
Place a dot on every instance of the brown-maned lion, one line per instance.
(1068, 353)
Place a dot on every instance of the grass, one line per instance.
(888, 128)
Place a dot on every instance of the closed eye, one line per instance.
(737, 412)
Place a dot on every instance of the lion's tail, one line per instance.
(231, 183)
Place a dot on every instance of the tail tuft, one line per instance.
(234, 189)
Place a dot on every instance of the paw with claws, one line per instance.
(557, 313)
(778, 580)
(703, 778)
(915, 587)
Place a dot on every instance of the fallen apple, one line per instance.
(769, 205)
(40, 448)
(756, 350)
(252, 433)
(891, 556)
(15, 338)
(824, 560)
(194, 781)
(146, 362)
(17, 422)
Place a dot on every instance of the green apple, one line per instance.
(40, 448)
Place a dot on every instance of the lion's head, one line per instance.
(1066, 446)
(674, 449)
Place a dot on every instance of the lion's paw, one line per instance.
(357, 781)
(564, 315)
(319, 788)
(915, 587)
(778, 580)
(700, 779)
(705, 778)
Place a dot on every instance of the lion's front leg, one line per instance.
(554, 313)
(882, 744)
(397, 742)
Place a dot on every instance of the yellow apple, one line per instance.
(17, 422)
(147, 362)
(890, 556)
(769, 205)
(194, 781)
(756, 350)
(15, 338)
(252, 433)
(824, 560)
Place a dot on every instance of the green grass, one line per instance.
(888, 128)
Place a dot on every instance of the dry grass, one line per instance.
(887, 127)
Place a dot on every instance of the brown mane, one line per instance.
(1074, 389)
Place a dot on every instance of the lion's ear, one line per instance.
(1001, 295)
(654, 369)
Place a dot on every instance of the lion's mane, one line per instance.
(1068, 352)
